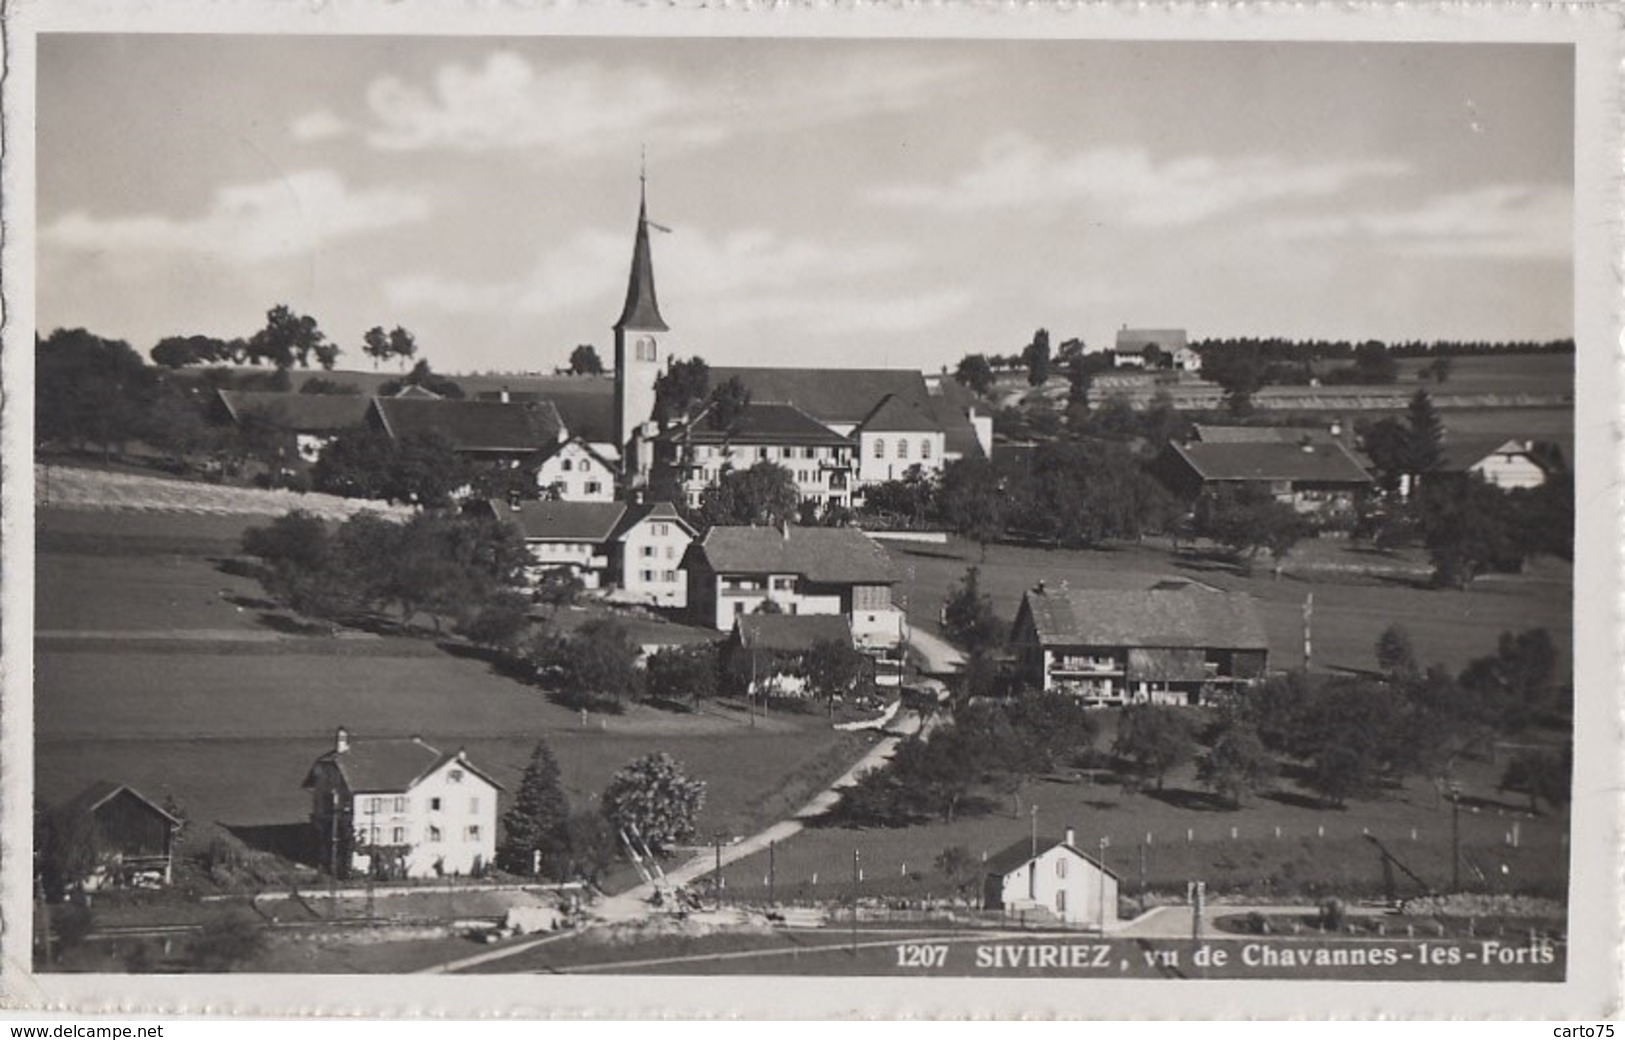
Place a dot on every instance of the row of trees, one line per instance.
(651, 799)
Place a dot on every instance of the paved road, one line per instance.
(940, 655)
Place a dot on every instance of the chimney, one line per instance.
(1039, 588)
(1072, 837)
(515, 500)
(341, 740)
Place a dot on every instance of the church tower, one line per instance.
(637, 345)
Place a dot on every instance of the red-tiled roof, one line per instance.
(302, 413)
(1146, 618)
(1324, 463)
(760, 424)
(562, 521)
(832, 555)
(388, 765)
(791, 633)
(472, 425)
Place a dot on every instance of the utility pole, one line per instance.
(771, 878)
(333, 858)
(857, 875)
(1455, 836)
(1104, 841)
(716, 841)
(1308, 630)
(1142, 877)
(1035, 830)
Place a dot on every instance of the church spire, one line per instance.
(642, 311)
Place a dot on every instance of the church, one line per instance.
(835, 429)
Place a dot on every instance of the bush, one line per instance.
(1333, 914)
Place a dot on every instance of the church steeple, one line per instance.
(642, 310)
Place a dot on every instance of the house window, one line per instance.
(880, 448)
(398, 836)
(660, 530)
(375, 805)
(669, 575)
(1060, 868)
(762, 453)
(1060, 900)
(671, 552)
(925, 449)
(902, 448)
(434, 835)
(434, 805)
(650, 576)
(594, 487)
(456, 776)
(783, 584)
(739, 608)
(648, 550)
(810, 453)
(473, 832)
(566, 465)
(400, 804)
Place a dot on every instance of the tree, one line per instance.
(584, 361)
(226, 943)
(975, 373)
(681, 389)
(599, 666)
(300, 569)
(763, 495)
(1236, 763)
(1373, 364)
(538, 820)
(1541, 775)
(590, 846)
(425, 470)
(688, 673)
(1425, 440)
(89, 390)
(1239, 372)
(499, 621)
(1153, 738)
(1396, 656)
(375, 344)
(968, 617)
(960, 868)
(834, 668)
(1514, 684)
(355, 464)
(973, 500)
(288, 338)
(1387, 445)
(1246, 520)
(1037, 357)
(1081, 370)
(1467, 528)
(654, 799)
(727, 403)
(559, 587)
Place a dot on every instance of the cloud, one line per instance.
(1498, 221)
(740, 279)
(511, 103)
(248, 222)
(1126, 185)
(319, 125)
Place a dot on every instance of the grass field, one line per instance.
(157, 669)
(1350, 609)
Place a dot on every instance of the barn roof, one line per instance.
(1020, 853)
(303, 413)
(1327, 462)
(1133, 341)
(472, 425)
(390, 764)
(99, 792)
(562, 521)
(1146, 618)
(1210, 434)
(791, 633)
(830, 395)
(834, 555)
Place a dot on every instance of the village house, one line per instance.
(1179, 645)
(733, 571)
(895, 437)
(818, 459)
(400, 808)
(572, 536)
(1506, 464)
(646, 550)
(573, 471)
(1154, 349)
(486, 433)
(1051, 880)
(301, 424)
(1311, 470)
(132, 837)
(772, 649)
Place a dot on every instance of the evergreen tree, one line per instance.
(1037, 356)
(538, 820)
(1424, 450)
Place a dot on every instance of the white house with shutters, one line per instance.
(401, 808)
(1060, 883)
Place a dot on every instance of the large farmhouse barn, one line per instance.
(1309, 469)
(1115, 646)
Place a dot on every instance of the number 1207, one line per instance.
(916, 955)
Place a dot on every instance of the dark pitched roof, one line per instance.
(472, 425)
(1020, 853)
(1209, 434)
(1146, 618)
(304, 413)
(894, 413)
(791, 633)
(830, 395)
(834, 555)
(951, 406)
(641, 311)
(1327, 462)
(760, 424)
(414, 390)
(562, 521)
(1133, 341)
(588, 415)
(99, 793)
(638, 512)
(387, 765)
(1459, 454)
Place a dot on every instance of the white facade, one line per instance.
(587, 559)
(1510, 466)
(1062, 883)
(448, 819)
(651, 561)
(821, 473)
(1187, 360)
(575, 474)
(889, 454)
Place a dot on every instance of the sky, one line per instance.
(830, 202)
